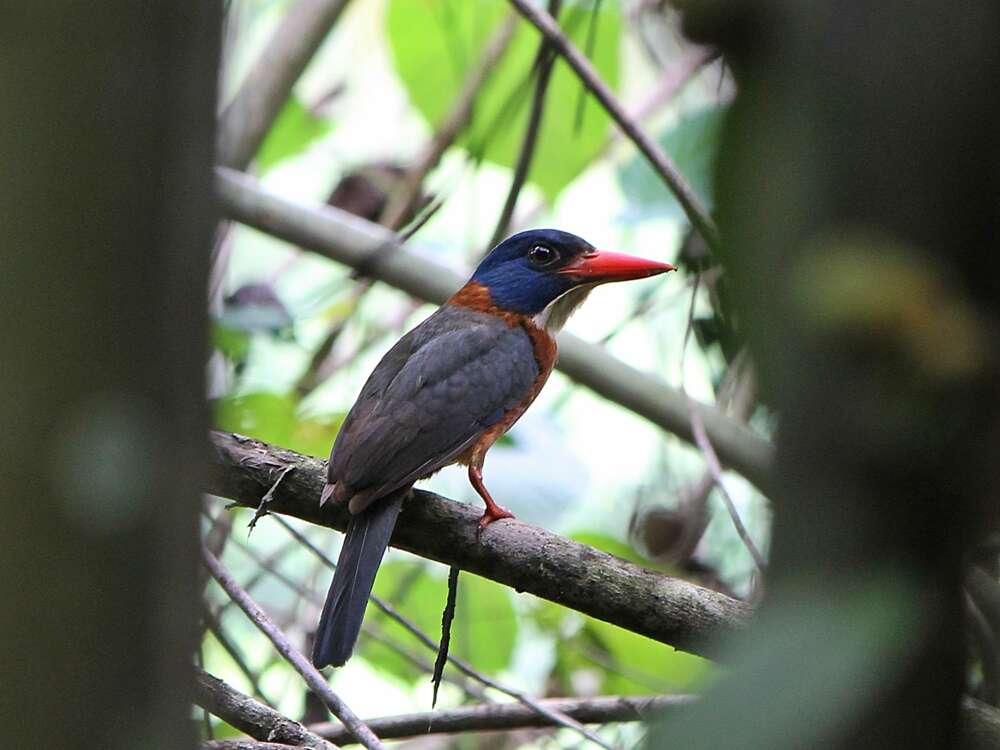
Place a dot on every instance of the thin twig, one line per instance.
(446, 619)
(661, 163)
(458, 663)
(509, 716)
(309, 673)
(248, 117)
(218, 532)
(708, 452)
(368, 628)
(214, 627)
(463, 683)
(264, 567)
(671, 83)
(544, 61)
(404, 199)
(373, 333)
(253, 717)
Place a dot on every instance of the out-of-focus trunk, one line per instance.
(859, 205)
(106, 132)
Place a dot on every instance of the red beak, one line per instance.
(599, 266)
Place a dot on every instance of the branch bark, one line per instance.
(524, 557)
(253, 717)
(508, 716)
(376, 251)
(980, 722)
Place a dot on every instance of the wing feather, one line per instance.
(429, 398)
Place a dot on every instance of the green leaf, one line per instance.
(233, 343)
(273, 418)
(692, 144)
(295, 128)
(265, 416)
(618, 661)
(610, 545)
(483, 632)
(435, 43)
(635, 664)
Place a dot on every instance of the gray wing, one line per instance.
(429, 398)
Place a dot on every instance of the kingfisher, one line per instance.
(445, 393)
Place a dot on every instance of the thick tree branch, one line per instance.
(508, 716)
(524, 557)
(661, 163)
(253, 717)
(376, 251)
(267, 86)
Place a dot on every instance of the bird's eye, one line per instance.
(542, 256)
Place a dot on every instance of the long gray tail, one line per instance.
(364, 545)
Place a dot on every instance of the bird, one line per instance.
(444, 393)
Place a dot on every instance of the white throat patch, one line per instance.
(557, 312)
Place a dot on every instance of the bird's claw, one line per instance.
(491, 514)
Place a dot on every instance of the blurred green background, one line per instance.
(295, 335)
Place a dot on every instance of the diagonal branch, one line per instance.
(509, 716)
(661, 163)
(524, 557)
(363, 244)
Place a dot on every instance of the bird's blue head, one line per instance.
(528, 271)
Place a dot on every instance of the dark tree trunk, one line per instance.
(858, 203)
(106, 135)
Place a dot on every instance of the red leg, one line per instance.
(493, 511)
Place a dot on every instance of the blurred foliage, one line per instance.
(483, 633)
(433, 65)
(692, 143)
(595, 657)
(233, 343)
(292, 133)
(852, 638)
(274, 418)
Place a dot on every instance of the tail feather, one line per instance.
(364, 545)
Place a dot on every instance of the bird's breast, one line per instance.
(475, 296)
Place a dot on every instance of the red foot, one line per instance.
(493, 511)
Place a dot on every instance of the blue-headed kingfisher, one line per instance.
(445, 393)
